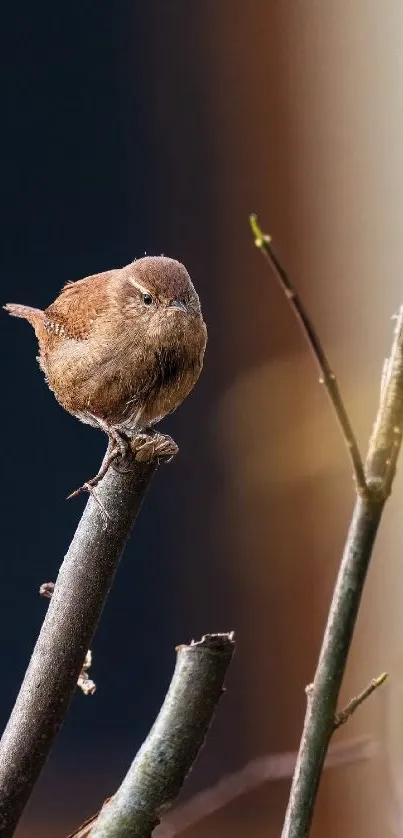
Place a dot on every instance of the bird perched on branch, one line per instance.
(122, 349)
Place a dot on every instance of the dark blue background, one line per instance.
(83, 189)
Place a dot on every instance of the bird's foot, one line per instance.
(152, 445)
(118, 447)
(146, 447)
(119, 442)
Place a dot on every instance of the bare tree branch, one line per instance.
(328, 378)
(83, 583)
(374, 484)
(158, 772)
(322, 697)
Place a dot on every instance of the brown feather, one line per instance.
(78, 306)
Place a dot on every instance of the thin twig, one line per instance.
(327, 376)
(82, 586)
(343, 715)
(157, 773)
(320, 715)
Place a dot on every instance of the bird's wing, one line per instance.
(76, 308)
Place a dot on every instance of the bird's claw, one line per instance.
(89, 487)
(145, 447)
(151, 446)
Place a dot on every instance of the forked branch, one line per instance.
(374, 483)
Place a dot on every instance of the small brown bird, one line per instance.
(123, 348)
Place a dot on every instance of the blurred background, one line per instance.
(132, 128)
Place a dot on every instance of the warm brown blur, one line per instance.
(304, 127)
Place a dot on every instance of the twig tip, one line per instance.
(260, 237)
(380, 679)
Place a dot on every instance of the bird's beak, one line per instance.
(178, 304)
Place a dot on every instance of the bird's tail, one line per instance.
(34, 315)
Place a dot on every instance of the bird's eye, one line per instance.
(147, 299)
